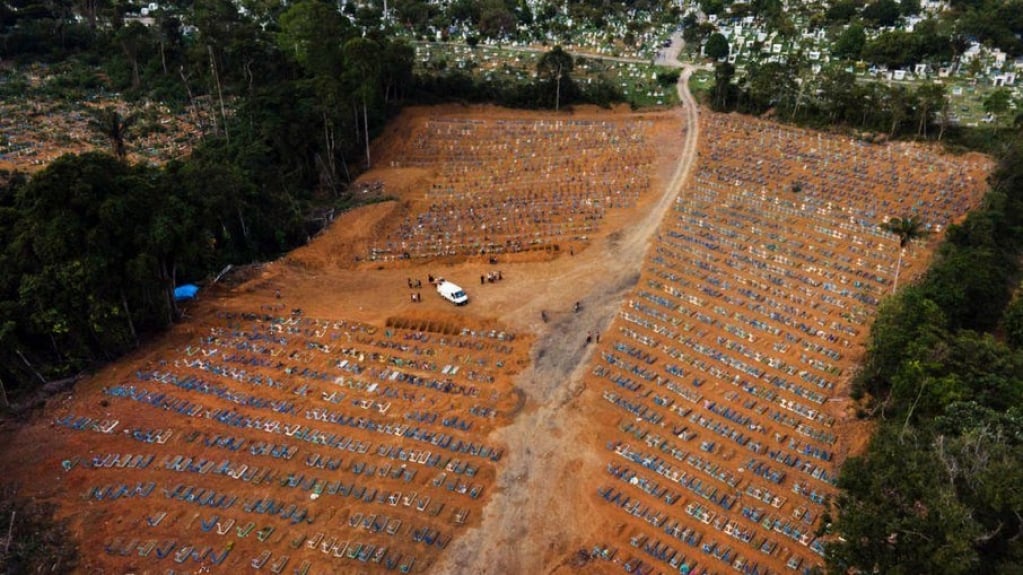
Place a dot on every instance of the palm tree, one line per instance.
(114, 127)
(907, 229)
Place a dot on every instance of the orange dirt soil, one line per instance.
(720, 316)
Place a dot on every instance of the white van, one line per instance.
(451, 292)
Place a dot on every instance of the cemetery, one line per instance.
(315, 434)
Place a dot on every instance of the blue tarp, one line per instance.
(186, 291)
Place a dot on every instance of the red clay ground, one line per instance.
(738, 238)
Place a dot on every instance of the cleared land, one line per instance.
(690, 410)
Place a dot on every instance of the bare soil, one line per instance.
(527, 349)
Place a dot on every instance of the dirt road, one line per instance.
(528, 526)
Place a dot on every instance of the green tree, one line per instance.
(1012, 322)
(88, 301)
(906, 229)
(882, 13)
(842, 11)
(555, 66)
(362, 67)
(909, 7)
(907, 327)
(840, 98)
(930, 100)
(717, 46)
(723, 74)
(311, 32)
(899, 514)
(114, 127)
(496, 19)
(850, 42)
(998, 102)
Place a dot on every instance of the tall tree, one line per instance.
(362, 66)
(114, 127)
(906, 229)
(716, 47)
(556, 67)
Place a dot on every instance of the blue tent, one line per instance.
(185, 292)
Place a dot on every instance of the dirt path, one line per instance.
(525, 525)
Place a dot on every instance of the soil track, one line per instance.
(526, 527)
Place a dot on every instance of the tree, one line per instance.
(556, 67)
(716, 47)
(723, 74)
(496, 20)
(907, 229)
(114, 127)
(770, 85)
(899, 514)
(883, 13)
(909, 7)
(362, 65)
(930, 99)
(850, 42)
(897, 105)
(88, 302)
(841, 11)
(840, 99)
(998, 102)
(906, 328)
(1012, 322)
(311, 32)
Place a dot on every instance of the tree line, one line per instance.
(937, 490)
(93, 245)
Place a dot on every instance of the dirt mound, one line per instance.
(340, 245)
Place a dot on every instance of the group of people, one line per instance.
(415, 284)
(491, 277)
